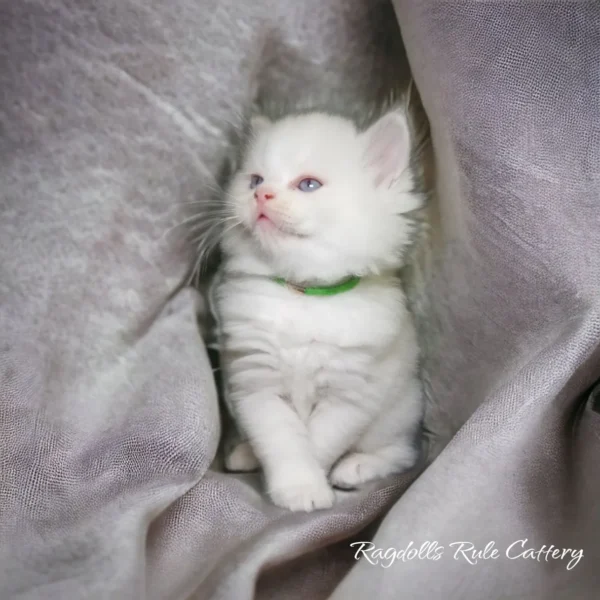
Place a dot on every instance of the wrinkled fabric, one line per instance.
(114, 120)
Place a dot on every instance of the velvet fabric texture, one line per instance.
(113, 117)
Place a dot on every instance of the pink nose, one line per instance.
(262, 194)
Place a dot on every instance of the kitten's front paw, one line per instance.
(242, 459)
(358, 467)
(308, 494)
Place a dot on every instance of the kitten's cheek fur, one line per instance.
(249, 215)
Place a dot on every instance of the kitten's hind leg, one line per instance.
(241, 458)
(357, 468)
(390, 445)
(238, 453)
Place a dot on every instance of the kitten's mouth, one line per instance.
(264, 221)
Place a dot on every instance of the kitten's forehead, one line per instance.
(306, 140)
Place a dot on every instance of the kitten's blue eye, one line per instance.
(255, 180)
(309, 185)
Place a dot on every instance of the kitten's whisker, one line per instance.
(186, 221)
(230, 227)
(208, 199)
(205, 236)
(208, 243)
(202, 241)
(209, 223)
(208, 204)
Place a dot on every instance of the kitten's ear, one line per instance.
(258, 123)
(387, 147)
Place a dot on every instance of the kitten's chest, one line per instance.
(297, 324)
(312, 350)
(303, 373)
(315, 325)
(307, 346)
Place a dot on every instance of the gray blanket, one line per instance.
(113, 118)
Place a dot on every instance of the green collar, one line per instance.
(330, 290)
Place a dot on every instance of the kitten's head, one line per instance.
(319, 200)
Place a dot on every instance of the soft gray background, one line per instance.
(112, 119)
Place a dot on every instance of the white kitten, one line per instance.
(321, 381)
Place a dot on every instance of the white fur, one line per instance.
(324, 388)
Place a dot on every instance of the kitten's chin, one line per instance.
(300, 260)
(266, 228)
(260, 243)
